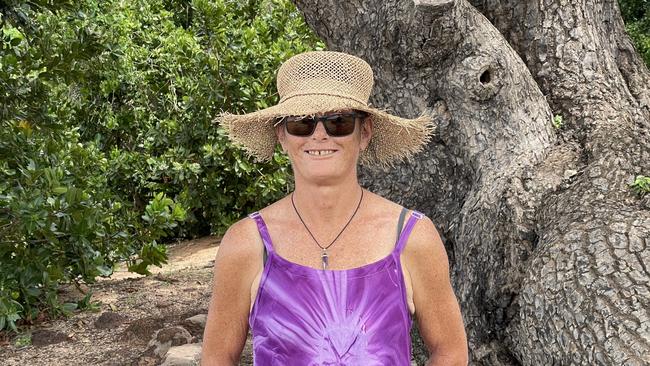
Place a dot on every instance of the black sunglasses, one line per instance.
(336, 124)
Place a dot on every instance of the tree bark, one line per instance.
(548, 243)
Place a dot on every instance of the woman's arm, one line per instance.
(436, 308)
(238, 261)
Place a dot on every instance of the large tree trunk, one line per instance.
(549, 245)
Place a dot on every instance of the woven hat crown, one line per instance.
(317, 82)
(325, 73)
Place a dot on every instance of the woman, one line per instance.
(330, 274)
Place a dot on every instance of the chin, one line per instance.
(323, 175)
(324, 171)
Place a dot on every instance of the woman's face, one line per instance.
(322, 158)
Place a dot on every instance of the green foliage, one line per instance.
(636, 14)
(23, 340)
(641, 185)
(557, 121)
(107, 141)
(86, 303)
(633, 10)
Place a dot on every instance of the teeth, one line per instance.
(320, 152)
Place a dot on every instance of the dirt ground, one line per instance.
(132, 308)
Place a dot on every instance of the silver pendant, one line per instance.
(325, 259)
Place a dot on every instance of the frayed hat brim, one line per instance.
(393, 138)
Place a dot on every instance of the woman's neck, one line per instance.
(320, 204)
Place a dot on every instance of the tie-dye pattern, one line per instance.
(306, 316)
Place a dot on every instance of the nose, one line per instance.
(319, 132)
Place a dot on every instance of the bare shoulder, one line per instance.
(241, 243)
(425, 248)
(436, 308)
(242, 239)
(238, 260)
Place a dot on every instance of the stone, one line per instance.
(164, 339)
(109, 320)
(142, 329)
(195, 325)
(199, 319)
(184, 355)
(45, 337)
(570, 173)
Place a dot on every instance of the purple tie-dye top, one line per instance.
(306, 316)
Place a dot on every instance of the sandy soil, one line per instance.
(132, 308)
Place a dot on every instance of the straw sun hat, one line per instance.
(316, 82)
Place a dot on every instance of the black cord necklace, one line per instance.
(324, 255)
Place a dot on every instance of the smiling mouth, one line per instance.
(320, 152)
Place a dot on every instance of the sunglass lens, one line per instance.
(300, 127)
(341, 125)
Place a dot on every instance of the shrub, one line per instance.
(636, 14)
(107, 143)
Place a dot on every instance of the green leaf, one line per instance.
(33, 292)
(105, 270)
(109, 126)
(60, 190)
(139, 268)
(69, 307)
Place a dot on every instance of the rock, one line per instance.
(198, 319)
(142, 329)
(163, 304)
(195, 324)
(168, 337)
(109, 320)
(570, 173)
(46, 337)
(145, 361)
(185, 355)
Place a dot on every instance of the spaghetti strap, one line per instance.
(415, 215)
(263, 230)
(400, 223)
